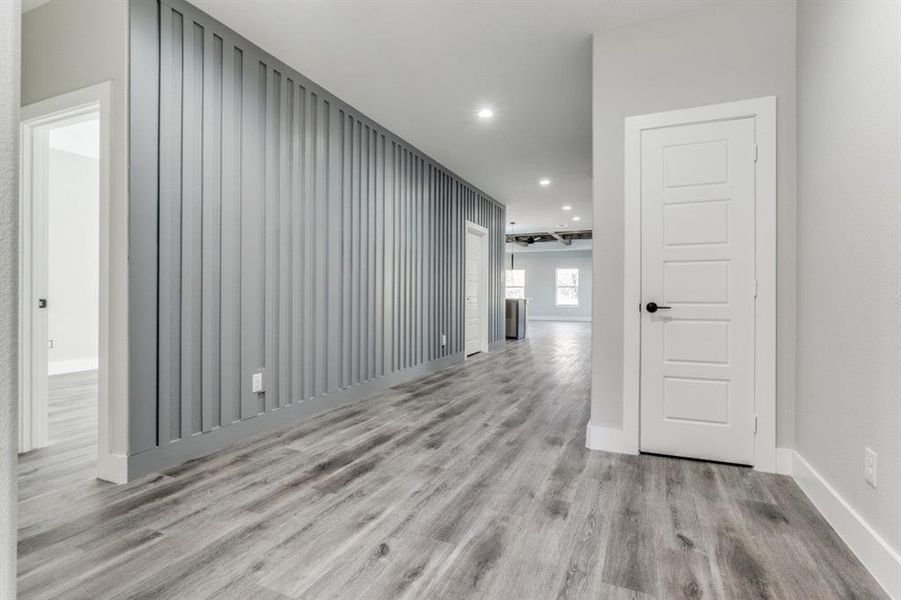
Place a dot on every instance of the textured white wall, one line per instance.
(736, 51)
(10, 23)
(540, 270)
(849, 251)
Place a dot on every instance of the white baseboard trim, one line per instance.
(608, 439)
(112, 467)
(883, 561)
(561, 318)
(58, 367)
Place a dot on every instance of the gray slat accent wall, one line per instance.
(293, 235)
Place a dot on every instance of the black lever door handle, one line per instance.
(42, 303)
(653, 307)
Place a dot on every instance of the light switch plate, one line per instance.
(257, 382)
(869, 466)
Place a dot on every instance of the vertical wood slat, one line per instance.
(211, 269)
(297, 226)
(295, 236)
(334, 231)
(192, 222)
(169, 330)
(271, 135)
(321, 264)
(309, 327)
(381, 235)
(232, 108)
(144, 229)
(363, 239)
(354, 231)
(286, 240)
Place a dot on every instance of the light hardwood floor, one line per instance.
(471, 483)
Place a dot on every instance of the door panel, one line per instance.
(697, 355)
(473, 307)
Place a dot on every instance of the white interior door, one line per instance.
(473, 290)
(697, 265)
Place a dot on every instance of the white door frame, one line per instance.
(482, 232)
(763, 110)
(33, 415)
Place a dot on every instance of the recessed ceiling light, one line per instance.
(562, 225)
(577, 218)
(544, 181)
(567, 208)
(486, 112)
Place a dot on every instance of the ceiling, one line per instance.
(423, 68)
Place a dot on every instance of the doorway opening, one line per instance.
(476, 290)
(64, 202)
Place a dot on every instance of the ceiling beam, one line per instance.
(561, 239)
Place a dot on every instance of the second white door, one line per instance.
(697, 343)
(473, 292)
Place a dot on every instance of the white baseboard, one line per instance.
(58, 367)
(608, 439)
(883, 561)
(560, 318)
(112, 467)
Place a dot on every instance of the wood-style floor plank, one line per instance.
(470, 483)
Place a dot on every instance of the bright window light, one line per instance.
(516, 283)
(567, 287)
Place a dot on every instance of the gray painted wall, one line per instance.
(283, 231)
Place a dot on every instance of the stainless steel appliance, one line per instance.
(516, 318)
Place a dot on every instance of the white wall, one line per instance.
(849, 251)
(736, 51)
(540, 270)
(74, 275)
(67, 46)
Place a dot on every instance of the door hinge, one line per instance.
(756, 152)
(755, 424)
(756, 287)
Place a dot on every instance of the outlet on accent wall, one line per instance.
(443, 340)
(257, 382)
(869, 466)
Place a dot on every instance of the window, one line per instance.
(516, 283)
(567, 287)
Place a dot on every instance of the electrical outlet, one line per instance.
(256, 383)
(443, 340)
(50, 343)
(869, 466)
